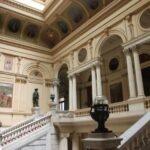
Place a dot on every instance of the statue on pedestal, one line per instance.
(35, 98)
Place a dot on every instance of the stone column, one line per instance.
(56, 83)
(63, 141)
(93, 83)
(70, 93)
(138, 74)
(75, 141)
(131, 80)
(99, 80)
(74, 94)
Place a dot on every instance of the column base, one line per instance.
(102, 141)
(35, 111)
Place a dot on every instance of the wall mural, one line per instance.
(6, 93)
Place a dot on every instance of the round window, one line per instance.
(113, 64)
(82, 55)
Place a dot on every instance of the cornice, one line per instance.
(85, 66)
(24, 45)
(31, 12)
(137, 41)
(21, 9)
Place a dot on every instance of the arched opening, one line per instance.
(114, 79)
(63, 88)
(145, 63)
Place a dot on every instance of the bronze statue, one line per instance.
(35, 98)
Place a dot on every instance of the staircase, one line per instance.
(137, 137)
(24, 133)
(39, 144)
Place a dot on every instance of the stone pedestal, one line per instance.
(36, 111)
(52, 106)
(102, 141)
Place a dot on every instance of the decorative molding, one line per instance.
(25, 45)
(137, 41)
(84, 66)
(20, 6)
(48, 83)
(21, 79)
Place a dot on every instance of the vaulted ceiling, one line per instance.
(52, 29)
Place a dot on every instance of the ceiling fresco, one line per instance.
(49, 35)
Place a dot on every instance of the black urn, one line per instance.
(52, 97)
(100, 113)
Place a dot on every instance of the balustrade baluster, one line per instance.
(136, 146)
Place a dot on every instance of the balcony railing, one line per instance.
(120, 107)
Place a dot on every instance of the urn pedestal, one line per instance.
(102, 141)
(52, 106)
(101, 138)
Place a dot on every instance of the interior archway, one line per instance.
(114, 80)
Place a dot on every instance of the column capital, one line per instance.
(64, 135)
(74, 75)
(55, 81)
(69, 76)
(93, 67)
(126, 51)
(135, 48)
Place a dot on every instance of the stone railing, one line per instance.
(18, 125)
(137, 136)
(119, 107)
(82, 112)
(113, 108)
(16, 133)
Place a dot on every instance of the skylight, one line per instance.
(32, 3)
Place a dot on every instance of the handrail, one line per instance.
(18, 125)
(134, 131)
(17, 133)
